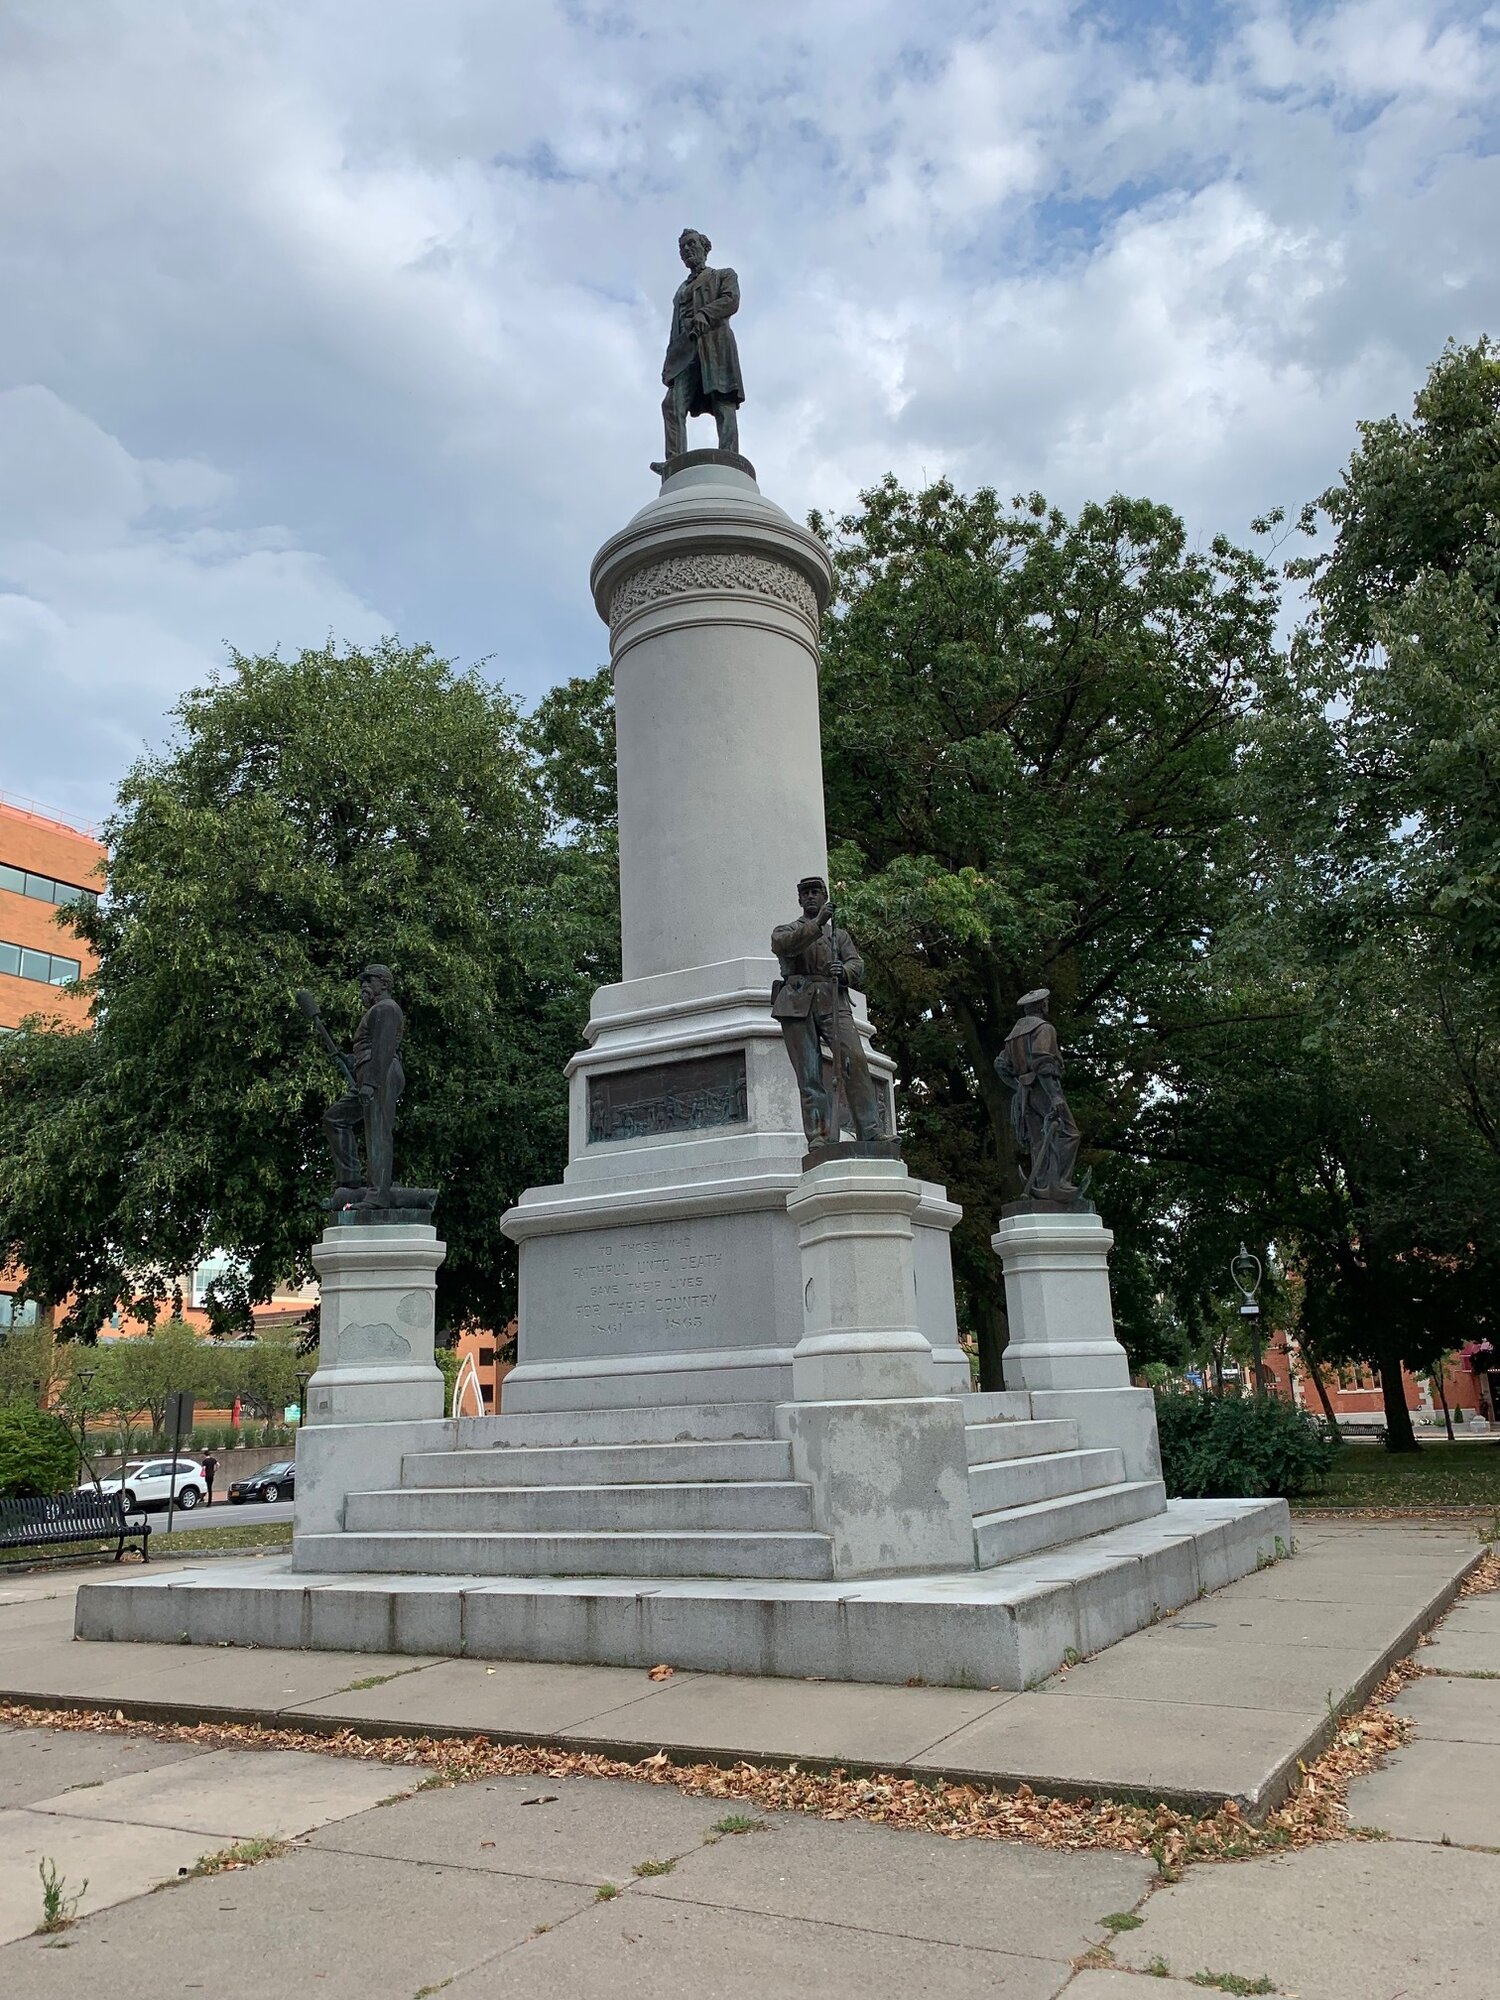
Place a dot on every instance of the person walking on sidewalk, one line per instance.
(210, 1467)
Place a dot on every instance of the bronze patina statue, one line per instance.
(819, 964)
(702, 368)
(367, 1109)
(1030, 1065)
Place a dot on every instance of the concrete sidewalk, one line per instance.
(379, 1889)
(1218, 1702)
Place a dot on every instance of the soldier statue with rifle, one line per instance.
(819, 965)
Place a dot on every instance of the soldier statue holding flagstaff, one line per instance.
(819, 965)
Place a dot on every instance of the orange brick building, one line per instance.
(45, 866)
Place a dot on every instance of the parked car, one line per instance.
(272, 1482)
(147, 1482)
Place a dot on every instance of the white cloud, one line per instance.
(395, 279)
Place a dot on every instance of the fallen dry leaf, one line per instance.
(661, 1673)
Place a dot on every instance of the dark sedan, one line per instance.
(274, 1482)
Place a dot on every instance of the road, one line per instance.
(220, 1515)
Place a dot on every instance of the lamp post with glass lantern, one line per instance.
(1245, 1275)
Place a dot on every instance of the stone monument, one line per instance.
(377, 1261)
(740, 1435)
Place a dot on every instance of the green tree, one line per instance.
(1030, 735)
(38, 1453)
(313, 814)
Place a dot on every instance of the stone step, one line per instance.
(643, 1555)
(664, 1423)
(1021, 1531)
(755, 1506)
(989, 1406)
(601, 1464)
(1019, 1439)
(1017, 1482)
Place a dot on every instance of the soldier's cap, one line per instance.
(812, 882)
(378, 972)
(1035, 999)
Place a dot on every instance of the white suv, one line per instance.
(148, 1482)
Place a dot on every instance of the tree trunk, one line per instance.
(1399, 1435)
(1322, 1388)
(1437, 1383)
(992, 1335)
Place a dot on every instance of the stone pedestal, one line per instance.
(665, 1267)
(378, 1291)
(1062, 1334)
(882, 1449)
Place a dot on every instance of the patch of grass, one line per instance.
(369, 1681)
(254, 1535)
(1231, 1982)
(606, 1892)
(739, 1823)
(243, 1854)
(58, 1908)
(1158, 1968)
(646, 1868)
(1435, 1475)
(426, 1992)
(1122, 1920)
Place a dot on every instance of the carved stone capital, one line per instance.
(725, 570)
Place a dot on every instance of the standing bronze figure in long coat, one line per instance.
(702, 368)
(369, 1108)
(811, 1002)
(1031, 1065)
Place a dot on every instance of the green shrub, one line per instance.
(38, 1453)
(1237, 1448)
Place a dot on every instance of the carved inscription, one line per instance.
(668, 1097)
(634, 1283)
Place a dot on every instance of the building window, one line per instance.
(48, 968)
(16, 1311)
(42, 888)
(486, 1357)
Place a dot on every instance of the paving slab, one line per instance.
(40, 1763)
(1431, 1790)
(1194, 1751)
(1344, 1624)
(1095, 1985)
(1469, 1642)
(987, 1894)
(1457, 1711)
(114, 1861)
(579, 1830)
(1355, 1920)
(495, 1696)
(644, 1948)
(1177, 1669)
(240, 1794)
(333, 1926)
(862, 1723)
(202, 1680)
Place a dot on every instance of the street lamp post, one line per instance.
(1245, 1274)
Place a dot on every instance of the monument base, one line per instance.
(376, 1321)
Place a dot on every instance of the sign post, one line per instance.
(179, 1419)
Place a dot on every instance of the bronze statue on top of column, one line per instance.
(367, 1110)
(702, 368)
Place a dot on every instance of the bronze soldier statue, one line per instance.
(375, 1077)
(1031, 1066)
(702, 368)
(819, 964)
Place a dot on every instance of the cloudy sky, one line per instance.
(347, 315)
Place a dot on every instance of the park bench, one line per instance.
(71, 1517)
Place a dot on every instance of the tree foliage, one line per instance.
(1030, 730)
(314, 814)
